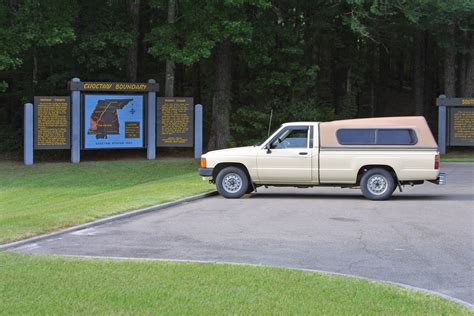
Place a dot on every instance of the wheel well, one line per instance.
(366, 168)
(223, 165)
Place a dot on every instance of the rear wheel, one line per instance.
(232, 182)
(377, 184)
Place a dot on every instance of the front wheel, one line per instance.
(232, 182)
(377, 184)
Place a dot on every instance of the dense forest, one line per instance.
(303, 59)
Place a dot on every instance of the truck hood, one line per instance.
(237, 151)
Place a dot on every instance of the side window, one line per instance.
(396, 137)
(356, 136)
(292, 137)
(372, 136)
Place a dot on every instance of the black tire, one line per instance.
(232, 182)
(377, 184)
(250, 188)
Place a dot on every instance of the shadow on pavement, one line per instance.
(397, 197)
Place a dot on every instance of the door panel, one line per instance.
(290, 165)
(288, 159)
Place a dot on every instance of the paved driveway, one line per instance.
(422, 237)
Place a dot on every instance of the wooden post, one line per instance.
(76, 124)
(28, 136)
(442, 124)
(151, 136)
(198, 131)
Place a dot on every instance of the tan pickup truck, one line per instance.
(376, 154)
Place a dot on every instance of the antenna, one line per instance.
(270, 123)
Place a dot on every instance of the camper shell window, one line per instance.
(376, 136)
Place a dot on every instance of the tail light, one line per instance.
(203, 162)
(436, 164)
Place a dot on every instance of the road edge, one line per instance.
(106, 220)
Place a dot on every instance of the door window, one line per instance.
(291, 137)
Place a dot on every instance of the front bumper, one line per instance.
(205, 172)
(441, 180)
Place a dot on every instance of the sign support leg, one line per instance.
(442, 125)
(28, 136)
(76, 125)
(198, 131)
(151, 135)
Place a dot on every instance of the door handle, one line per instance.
(303, 153)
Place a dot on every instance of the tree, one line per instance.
(132, 62)
(202, 30)
(10, 44)
(303, 59)
(450, 64)
(170, 65)
(43, 25)
(106, 40)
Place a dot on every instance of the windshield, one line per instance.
(263, 140)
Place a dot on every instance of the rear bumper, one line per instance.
(441, 180)
(205, 172)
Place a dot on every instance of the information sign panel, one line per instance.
(52, 122)
(461, 126)
(175, 122)
(113, 121)
(114, 86)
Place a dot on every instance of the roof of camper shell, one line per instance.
(417, 123)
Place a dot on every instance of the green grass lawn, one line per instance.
(455, 158)
(47, 196)
(64, 286)
(458, 156)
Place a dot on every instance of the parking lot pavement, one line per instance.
(422, 237)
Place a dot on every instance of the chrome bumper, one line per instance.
(441, 180)
(205, 172)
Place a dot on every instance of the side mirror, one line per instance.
(267, 147)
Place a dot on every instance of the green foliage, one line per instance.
(10, 45)
(250, 124)
(200, 26)
(104, 37)
(306, 59)
(46, 23)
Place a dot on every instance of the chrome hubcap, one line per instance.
(232, 182)
(377, 184)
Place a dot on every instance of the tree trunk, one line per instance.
(468, 90)
(418, 71)
(430, 79)
(401, 68)
(197, 82)
(384, 63)
(34, 75)
(371, 79)
(170, 65)
(450, 66)
(467, 70)
(132, 62)
(221, 102)
(383, 74)
(335, 82)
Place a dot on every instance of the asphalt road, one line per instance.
(422, 237)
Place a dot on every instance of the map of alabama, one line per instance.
(104, 120)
